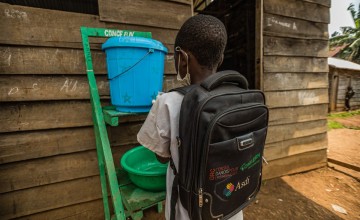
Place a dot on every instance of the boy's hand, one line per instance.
(162, 159)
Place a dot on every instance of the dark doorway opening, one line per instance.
(243, 47)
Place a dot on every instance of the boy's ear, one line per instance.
(221, 61)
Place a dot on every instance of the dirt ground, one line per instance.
(314, 194)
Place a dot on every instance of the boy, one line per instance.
(199, 51)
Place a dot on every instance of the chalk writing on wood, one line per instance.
(273, 21)
(13, 13)
(13, 91)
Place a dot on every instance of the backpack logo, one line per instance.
(230, 187)
(251, 163)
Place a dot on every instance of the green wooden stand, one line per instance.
(127, 200)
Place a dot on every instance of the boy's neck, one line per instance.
(200, 73)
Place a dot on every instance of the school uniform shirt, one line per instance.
(158, 134)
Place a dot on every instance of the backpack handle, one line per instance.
(228, 76)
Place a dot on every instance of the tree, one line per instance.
(350, 37)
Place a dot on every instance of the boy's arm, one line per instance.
(155, 132)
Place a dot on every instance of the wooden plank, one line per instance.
(58, 87)
(278, 64)
(276, 25)
(25, 116)
(52, 27)
(298, 9)
(88, 210)
(44, 87)
(40, 60)
(295, 164)
(143, 12)
(295, 47)
(326, 3)
(279, 116)
(17, 146)
(296, 98)
(292, 81)
(39, 199)
(49, 170)
(295, 146)
(277, 133)
(43, 171)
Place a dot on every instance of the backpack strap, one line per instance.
(183, 90)
(227, 76)
(174, 190)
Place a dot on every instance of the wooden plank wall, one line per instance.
(48, 163)
(346, 78)
(295, 76)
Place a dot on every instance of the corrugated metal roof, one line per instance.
(343, 64)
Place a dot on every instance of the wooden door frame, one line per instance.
(259, 67)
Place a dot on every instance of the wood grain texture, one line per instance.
(288, 115)
(49, 170)
(296, 98)
(295, 47)
(280, 26)
(298, 9)
(52, 27)
(18, 146)
(295, 164)
(40, 60)
(165, 14)
(26, 116)
(326, 3)
(92, 210)
(277, 133)
(295, 81)
(287, 64)
(39, 199)
(295, 146)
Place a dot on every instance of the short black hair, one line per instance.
(205, 37)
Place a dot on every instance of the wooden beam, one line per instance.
(296, 98)
(295, 146)
(283, 46)
(294, 81)
(25, 116)
(298, 9)
(277, 133)
(39, 199)
(52, 27)
(40, 60)
(164, 14)
(295, 164)
(286, 64)
(288, 115)
(280, 26)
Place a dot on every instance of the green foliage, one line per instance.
(350, 37)
(344, 114)
(334, 125)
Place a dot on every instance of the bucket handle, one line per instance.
(151, 50)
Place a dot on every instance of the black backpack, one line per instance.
(222, 134)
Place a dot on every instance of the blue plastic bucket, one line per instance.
(135, 69)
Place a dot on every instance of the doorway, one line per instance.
(243, 22)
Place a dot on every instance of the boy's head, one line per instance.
(202, 37)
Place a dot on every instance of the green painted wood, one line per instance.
(105, 160)
(111, 116)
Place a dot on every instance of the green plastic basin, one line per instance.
(144, 170)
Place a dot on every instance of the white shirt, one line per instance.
(158, 134)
